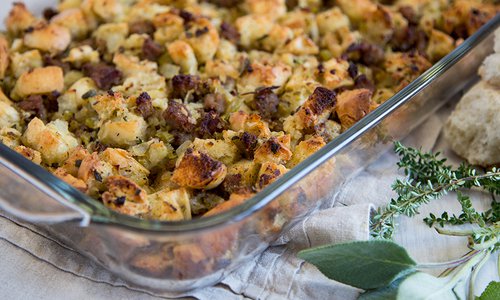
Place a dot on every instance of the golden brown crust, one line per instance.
(197, 170)
(125, 196)
(39, 81)
(4, 56)
(352, 106)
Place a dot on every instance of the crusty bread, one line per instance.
(490, 69)
(472, 129)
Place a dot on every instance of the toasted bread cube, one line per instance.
(9, 116)
(23, 62)
(71, 180)
(19, 19)
(31, 154)
(197, 170)
(275, 149)
(169, 205)
(125, 196)
(121, 133)
(183, 55)
(53, 140)
(305, 149)
(125, 165)
(352, 106)
(39, 81)
(74, 20)
(4, 56)
(203, 38)
(50, 38)
(268, 173)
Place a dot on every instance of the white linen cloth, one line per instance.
(34, 266)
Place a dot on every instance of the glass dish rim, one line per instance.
(101, 215)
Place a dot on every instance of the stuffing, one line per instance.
(169, 205)
(203, 38)
(81, 55)
(268, 173)
(264, 75)
(125, 165)
(71, 180)
(197, 170)
(72, 100)
(108, 10)
(31, 154)
(331, 20)
(183, 55)
(252, 28)
(50, 38)
(9, 116)
(74, 20)
(39, 81)
(169, 27)
(124, 196)
(221, 150)
(305, 149)
(272, 8)
(53, 140)
(4, 56)
(439, 45)
(19, 19)
(123, 131)
(352, 106)
(274, 150)
(10, 137)
(23, 62)
(334, 74)
(251, 123)
(111, 35)
(178, 109)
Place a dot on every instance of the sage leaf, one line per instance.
(492, 291)
(365, 265)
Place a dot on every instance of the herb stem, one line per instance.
(389, 213)
(450, 264)
(459, 275)
(476, 270)
(454, 232)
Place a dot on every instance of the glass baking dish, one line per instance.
(181, 256)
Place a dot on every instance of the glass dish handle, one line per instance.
(24, 196)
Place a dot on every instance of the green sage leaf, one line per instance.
(492, 292)
(365, 265)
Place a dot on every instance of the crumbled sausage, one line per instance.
(183, 84)
(366, 53)
(210, 123)
(144, 105)
(177, 116)
(266, 102)
(34, 105)
(142, 27)
(151, 50)
(52, 61)
(362, 82)
(49, 13)
(105, 76)
(246, 143)
(229, 32)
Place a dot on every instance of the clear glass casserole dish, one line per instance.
(180, 256)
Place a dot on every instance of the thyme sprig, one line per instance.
(428, 178)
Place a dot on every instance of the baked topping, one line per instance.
(168, 111)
